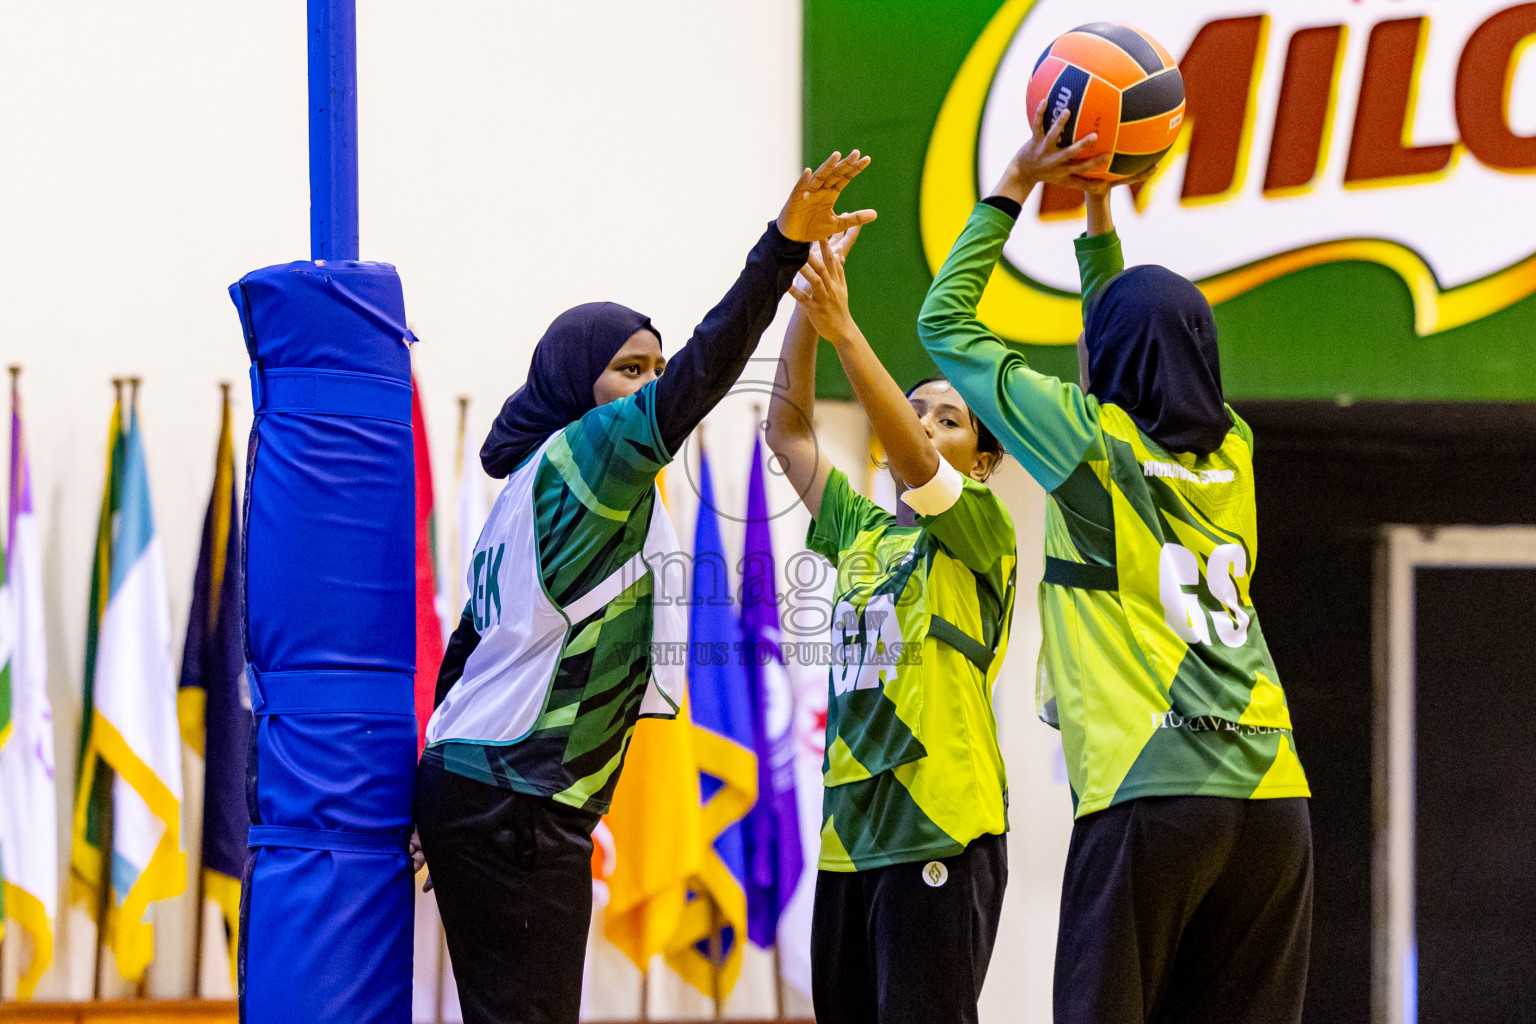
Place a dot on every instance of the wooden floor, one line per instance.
(129, 1011)
(144, 1011)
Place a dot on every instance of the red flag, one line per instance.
(429, 630)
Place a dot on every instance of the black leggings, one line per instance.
(1187, 909)
(513, 877)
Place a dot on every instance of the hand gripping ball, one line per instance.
(1117, 81)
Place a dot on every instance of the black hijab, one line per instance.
(1152, 351)
(572, 354)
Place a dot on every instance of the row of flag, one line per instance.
(127, 850)
(693, 882)
(688, 879)
(28, 861)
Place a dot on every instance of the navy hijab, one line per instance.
(572, 354)
(1152, 351)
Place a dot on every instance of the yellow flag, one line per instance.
(658, 839)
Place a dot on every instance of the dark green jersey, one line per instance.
(1153, 664)
(912, 769)
(593, 496)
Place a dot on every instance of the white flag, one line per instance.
(28, 814)
(136, 729)
(810, 686)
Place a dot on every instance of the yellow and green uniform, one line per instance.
(913, 771)
(1153, 664)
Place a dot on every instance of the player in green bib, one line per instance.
(1187, 894)
(913, 856)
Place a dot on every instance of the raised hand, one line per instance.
(808, 215)
(1101, 187)
(824, 293)
(1041, 159)
(840, 244)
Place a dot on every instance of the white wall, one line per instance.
(515, 159)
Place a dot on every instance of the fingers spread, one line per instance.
(1098, 163)
(1084, 143)
(814, 273)
(831, 263)
(855, 219)
(1058, 126)
(826, 171)
(845, 239)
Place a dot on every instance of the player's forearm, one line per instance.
(789, 430)
(948, 325)
(1043, 423)
(1099, 260)
(794, 385)
(1100, 220)
(708, 365)
(890, 415)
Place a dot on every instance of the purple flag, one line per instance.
(774, 857)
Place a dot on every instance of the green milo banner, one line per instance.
(1354, 187)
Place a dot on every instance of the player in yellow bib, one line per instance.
(913, 855)
(1188, 884)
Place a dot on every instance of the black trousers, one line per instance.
(513, 877)
(909, 943)
(1187, 909)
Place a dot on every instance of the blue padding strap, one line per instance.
(330, 393)
(325, 839)
(329, 692)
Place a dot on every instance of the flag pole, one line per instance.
(645, 993)
(778, 981)
(716, 953)
(104, 882)
(104, 870)
(199, 926)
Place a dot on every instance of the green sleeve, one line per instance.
(976, 529)
(1099, 259)
(610, 457)
(843, 515)
(1045, 423)
(1243, 429)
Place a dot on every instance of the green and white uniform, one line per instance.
(1153, 664)
(558, 665)
(913, 771)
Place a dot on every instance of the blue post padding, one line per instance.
(333, 130)
(330, 631)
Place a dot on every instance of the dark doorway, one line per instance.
(1475, 794)
(1328, 478)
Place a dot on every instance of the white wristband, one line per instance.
(939, 494)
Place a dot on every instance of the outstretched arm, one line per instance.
(1099, 258)
(705, 369)
(790, 431)
(1044, 423)
(901, 434)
